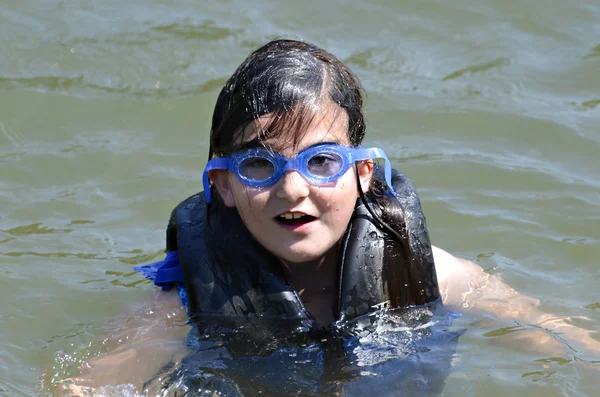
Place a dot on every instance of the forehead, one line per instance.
(325, 124)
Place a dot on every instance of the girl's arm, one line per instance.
(146, 337)
(466, 287)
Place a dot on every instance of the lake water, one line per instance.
(492, 108)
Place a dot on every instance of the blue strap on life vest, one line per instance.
(165, 273)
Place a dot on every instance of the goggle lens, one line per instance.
(324, 165)
(257, 168)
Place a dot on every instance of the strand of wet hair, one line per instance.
(382, 224)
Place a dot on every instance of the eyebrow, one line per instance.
(257, 143)
(335, 142)
(251, 144)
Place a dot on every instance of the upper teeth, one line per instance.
(291, 215)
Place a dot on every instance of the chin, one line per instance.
(300, 256)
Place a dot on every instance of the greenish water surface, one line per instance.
(492, 108)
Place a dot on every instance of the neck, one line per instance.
(316, 284)
(309, 275)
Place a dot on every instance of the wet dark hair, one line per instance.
(288, 80)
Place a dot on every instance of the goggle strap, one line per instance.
(219, 163)
(372, 153)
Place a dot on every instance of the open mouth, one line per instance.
(294, 219)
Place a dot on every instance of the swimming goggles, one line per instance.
(319, 165)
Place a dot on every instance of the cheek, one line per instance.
(248, 201)
(346, 189)
(341, 199)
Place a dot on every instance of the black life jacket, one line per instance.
(231, 279)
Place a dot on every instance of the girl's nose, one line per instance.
(292, 186)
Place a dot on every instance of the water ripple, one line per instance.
(119, 279)
(81, 222)
(484, 67)
(53, 255)
(51, 83)
(557, 360)
(538, 375)
(139, 257)
(208, 30)
(35, 228)
(591, 104)
(381, 59)
(594, 52)
(503, 331)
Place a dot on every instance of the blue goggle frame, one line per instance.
(281, 164)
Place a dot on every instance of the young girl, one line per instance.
(298, 231)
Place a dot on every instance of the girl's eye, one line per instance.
(257, 168)
(324, 164)
(257, 162)
(320, 160)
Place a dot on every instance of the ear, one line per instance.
(220, 179)
(365, 174)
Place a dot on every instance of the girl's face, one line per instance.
(296, 221)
